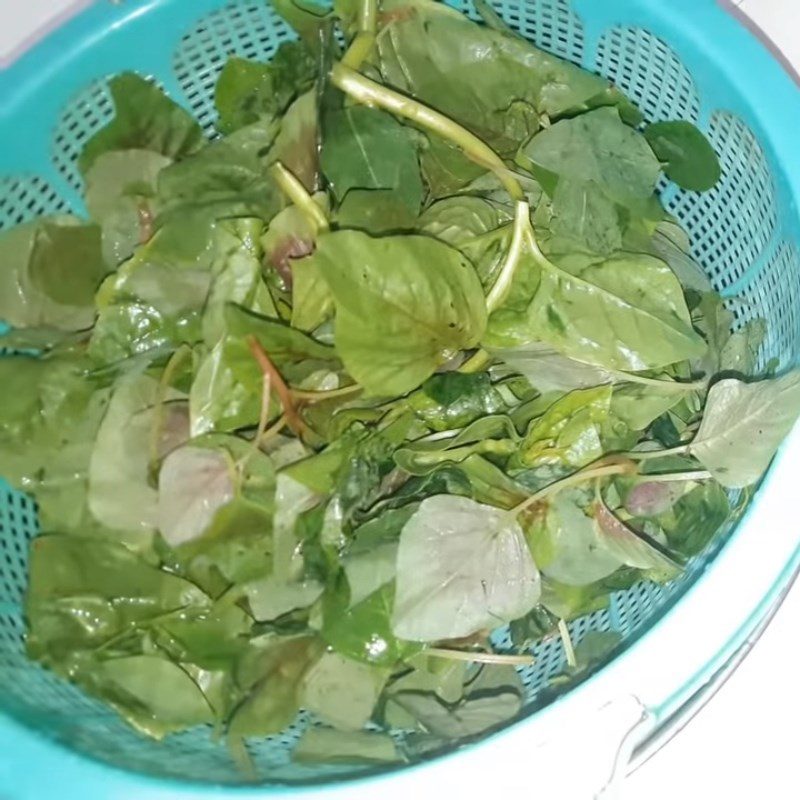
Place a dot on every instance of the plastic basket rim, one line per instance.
(731, 48)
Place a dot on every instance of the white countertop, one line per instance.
(744, 743)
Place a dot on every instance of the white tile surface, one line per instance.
(20, 20)
(745, 743)
(780, 19)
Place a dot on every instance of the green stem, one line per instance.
(669, 477)
(522, 232)
(566, 640)
(480, 658)
(476, 363)
(297, 193)
(493, 447)
(368, 92)
(588, 474)
(359, 51)
(316, 397)
(368, 16)
(174, 362)
(648, 455)
(241, 757)
(489, 236)
(268, 433)
(669, 386)
(361, 47)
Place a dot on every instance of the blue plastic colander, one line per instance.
(684, 59)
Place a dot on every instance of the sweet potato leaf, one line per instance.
(570, 431)
(622, 312)
(461, 567)
(629, 546)
(154, 694)
(274, 673)
(326, 746)
(246, 90)
(743, 426)
(404, 305)
(342, 692)
(120, 196)
(146, 119)
(49, 272)
(688, 157)
(495, 84)
(597, 147)
(567, 545)
(366, 148)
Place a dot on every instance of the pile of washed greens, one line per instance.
(406, 352)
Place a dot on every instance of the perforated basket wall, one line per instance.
(738, 233)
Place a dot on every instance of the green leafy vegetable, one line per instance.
(146, 119)
(639, 405)
(290, 237)
(227, 178)
(652, 499)
(305, 17)
(452, 400)
(671, 243)
(694, 519)
(461, 567)
(492, 698)
(568, 545)
(248, 90)
(84, 593)
(376, 211)
(322, 745)
(275, 673)
(631, 548)
(193, 484)
(549, 371)
(426, 455)
(688, 156)
(624, 312)
(370, 561)
(226, 393)
(49, 271)
(569, 431)
(368, 149)
(583, 212)
(120, 195)
(120, 494)
(296, 144)
(341, 691)
(410, 305)
(408, 352)
(154, 694)
(48, 425)
(743, 426)
(236, 276)
(363, 631)
(154, 302)
(495, 84)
